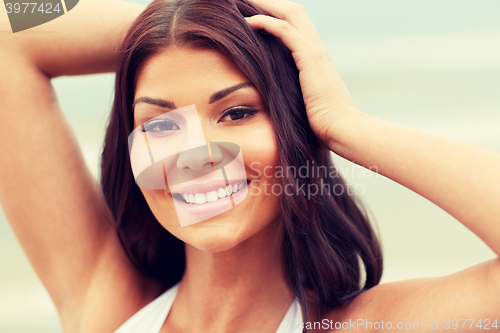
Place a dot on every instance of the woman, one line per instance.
(234, 275)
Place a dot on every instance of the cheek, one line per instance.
(162, 207)
(260, 153)
(259, 148)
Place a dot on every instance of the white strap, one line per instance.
(292, 318)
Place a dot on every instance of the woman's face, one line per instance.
(185, 77)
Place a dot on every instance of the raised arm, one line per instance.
(53, 204)
(462, 179)
(86, 40)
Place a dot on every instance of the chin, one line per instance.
(246, 234)
(213, 247)
(216, 239)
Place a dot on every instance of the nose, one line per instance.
(198, 158)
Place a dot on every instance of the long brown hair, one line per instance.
(325, 236)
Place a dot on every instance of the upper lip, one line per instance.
(205, 187)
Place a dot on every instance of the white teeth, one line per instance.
(201, 198)
(221, 193)
(212, 196)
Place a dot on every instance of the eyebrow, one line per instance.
(171, 105)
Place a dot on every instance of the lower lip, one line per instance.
(213, 208)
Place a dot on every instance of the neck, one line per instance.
(233, 290)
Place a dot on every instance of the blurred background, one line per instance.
(432, 65)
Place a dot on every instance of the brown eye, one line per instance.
(237, 114)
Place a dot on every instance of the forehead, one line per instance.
(183, 70)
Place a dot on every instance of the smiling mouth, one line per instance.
(212, 196)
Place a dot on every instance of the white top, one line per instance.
(150, 318)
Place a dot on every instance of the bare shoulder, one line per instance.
(468, 298)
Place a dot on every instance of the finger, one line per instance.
(293, 13)
(282, 9)
(300, 47)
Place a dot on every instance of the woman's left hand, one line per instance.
(326, 98)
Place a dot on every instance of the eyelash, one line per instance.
(239, 110)
(149, 127)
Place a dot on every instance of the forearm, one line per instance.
(462, 179)
(85, 40)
